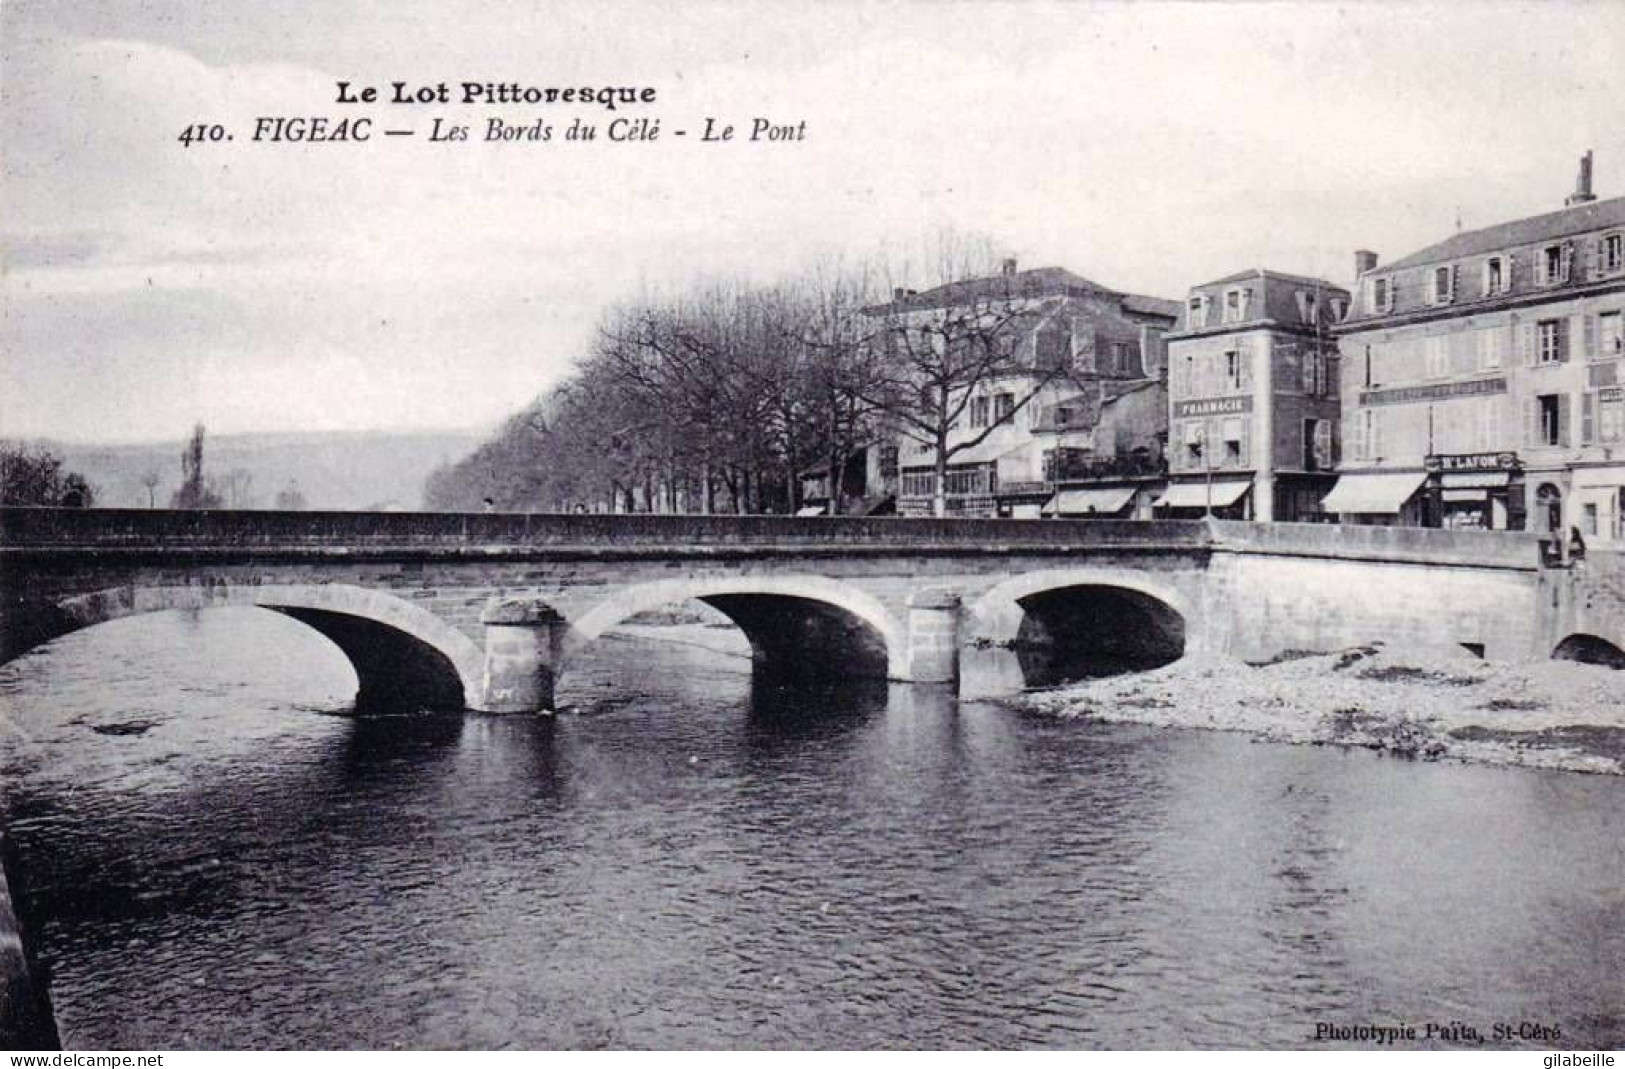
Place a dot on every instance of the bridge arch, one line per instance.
(400, 652)
(791, 621)
(1035, 628)
(1590, 649)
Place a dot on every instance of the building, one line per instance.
(1253, 398)
(1482, 382)
(1075, 401)
(867, 487)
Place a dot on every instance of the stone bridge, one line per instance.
(486, 611)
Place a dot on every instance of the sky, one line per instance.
(403, 284)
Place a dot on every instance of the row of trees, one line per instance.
(716, 398)
(35, 476)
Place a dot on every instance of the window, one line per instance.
(1610, 406)
(1588, 518)
(1382, 295)
(1317, 445)
(1195, 438)
(1552, 335)
(1611, 253)
(1489, 348)
(1053, 349)
(1198, 311)
(1549, 419)
(978, 411)
(1308, 306)
(1610, 335)
(1494, 276)
(1120, 357)
(1368, 367)
(1003, 405)
(1371, 436)
(1233, 451)
(919, 483)
(1235, 305)
(1232, 369)
(1552, 266)
(1444, 284)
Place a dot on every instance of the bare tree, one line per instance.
(948, 346)
(150, 479)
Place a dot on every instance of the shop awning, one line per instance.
(811, 510)
(1104, 501)
(1373, 492)
(1225, 492)
(1474, 480)
(1453, 496)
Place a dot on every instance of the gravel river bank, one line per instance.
(1425, 705)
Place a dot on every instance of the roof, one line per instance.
(1036, 282)
(1136, 302)
(1112, 389)
(1559, 224)
(1260, 272)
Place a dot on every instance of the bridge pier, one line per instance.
(523, 640)
(933, 636)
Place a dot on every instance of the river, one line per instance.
(209, 853)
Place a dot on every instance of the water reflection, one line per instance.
(692, 857)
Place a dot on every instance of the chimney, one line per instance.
(898, 293)
(1009, 267)
(1582, 187)
(1364, 260)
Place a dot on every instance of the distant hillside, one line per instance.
(382, 470)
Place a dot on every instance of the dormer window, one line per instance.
(1235, 305)
(1382, 295)
(1611, 253)
(1198, 312)
(1308, 306)
(1552, 265)
(1495, 275)
(1338, 309)
(1442, 289)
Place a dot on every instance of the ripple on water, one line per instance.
(690, 859)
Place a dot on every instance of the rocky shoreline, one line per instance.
(1423, 705)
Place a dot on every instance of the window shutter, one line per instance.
(1484, 279)
(1588, 418)
(1531, 422)
(1572, 330)
(1455, 279)
(1357, 432)
(1565, 433)
(1528, 344)
(1591, 337)
(1565, 262)
(1598, 264)
(1323, 444)
(1508, 279)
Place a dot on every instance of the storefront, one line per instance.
(1378, 497)
(1482, 491)
(1225, 498)
(1108, 502)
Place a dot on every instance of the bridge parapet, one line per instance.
(1504, 550)
(211, 529)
